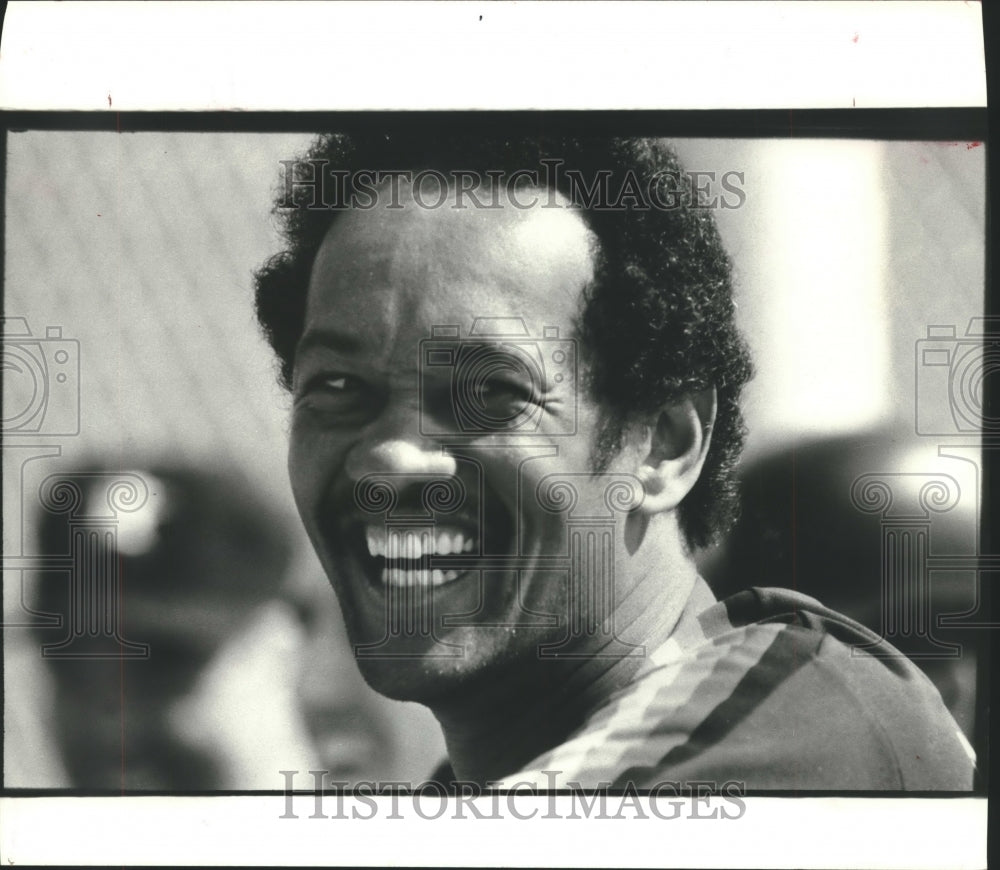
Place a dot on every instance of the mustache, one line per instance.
(390, 495)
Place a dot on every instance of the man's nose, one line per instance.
(393, 445)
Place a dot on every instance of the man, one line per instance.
(537, 326)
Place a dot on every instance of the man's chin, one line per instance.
(434, 672)
(413, 679)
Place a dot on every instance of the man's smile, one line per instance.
(410, 553)
(406, 555)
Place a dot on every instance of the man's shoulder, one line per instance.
(827, 702)
(771, 689)
(758, 606)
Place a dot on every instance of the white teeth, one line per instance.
(400, 578)
(394, 545)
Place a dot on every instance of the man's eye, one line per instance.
(334, 393)
(337, 384)
(499, 389)
(497, 393)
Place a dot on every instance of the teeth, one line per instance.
(395, 545)
(399, 577)
(399, 548)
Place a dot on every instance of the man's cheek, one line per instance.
(306, 461)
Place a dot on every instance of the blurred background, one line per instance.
(128, 261)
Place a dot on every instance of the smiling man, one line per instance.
(516, 375)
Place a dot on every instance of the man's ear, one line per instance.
(678, 444)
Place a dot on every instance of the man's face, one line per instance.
(370, 399)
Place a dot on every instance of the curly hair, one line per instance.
(656, 324)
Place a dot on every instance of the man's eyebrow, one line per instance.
(328, 338)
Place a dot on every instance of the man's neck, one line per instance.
(527, 710)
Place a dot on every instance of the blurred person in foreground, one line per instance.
(200, 557)
(626, 370)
